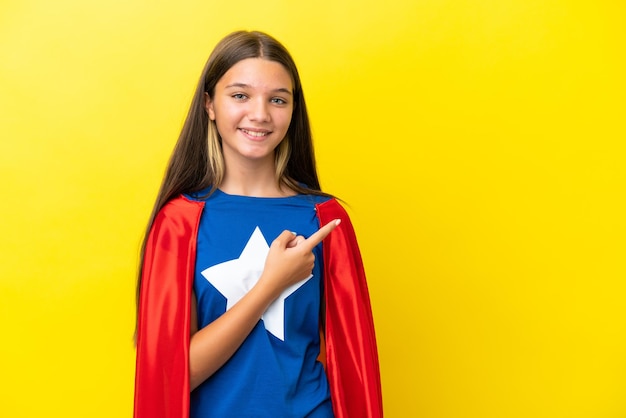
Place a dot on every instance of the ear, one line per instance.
(208, 105)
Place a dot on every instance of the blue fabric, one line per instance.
(275, 372)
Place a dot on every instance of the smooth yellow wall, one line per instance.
(480, 145)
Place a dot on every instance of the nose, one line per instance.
(259, 110)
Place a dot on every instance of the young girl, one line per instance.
(229, 325)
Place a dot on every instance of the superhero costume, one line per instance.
(162, 372)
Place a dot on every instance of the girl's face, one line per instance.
(252, 107)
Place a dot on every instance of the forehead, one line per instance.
(257, 72)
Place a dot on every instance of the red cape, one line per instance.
(162, 371)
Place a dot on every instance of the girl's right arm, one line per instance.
(290, 260)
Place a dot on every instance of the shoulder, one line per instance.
(181, 206)
(180, 212)
(331, 209)
(313, 199)
(200, 195)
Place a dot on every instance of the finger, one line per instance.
(284, 239)
(296, 241)
(322, 233)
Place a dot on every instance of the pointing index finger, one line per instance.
(322, 233)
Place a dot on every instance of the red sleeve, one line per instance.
(162, 369)
(351, 353)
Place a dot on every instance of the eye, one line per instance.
(278, 100)
(239, 96)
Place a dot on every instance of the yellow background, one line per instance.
(480, 145)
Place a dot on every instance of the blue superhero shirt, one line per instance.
(275, 372)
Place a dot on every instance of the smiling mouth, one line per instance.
(256, 134)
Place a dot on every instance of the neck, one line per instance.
(258, 180)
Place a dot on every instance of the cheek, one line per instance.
(285, 119)
(228, 115)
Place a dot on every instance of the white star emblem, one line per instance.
(234, 278)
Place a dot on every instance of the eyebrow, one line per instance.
(243, 85)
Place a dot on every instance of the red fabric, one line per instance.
(162, 370)
(351, 353)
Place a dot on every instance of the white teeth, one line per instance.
(257, 134)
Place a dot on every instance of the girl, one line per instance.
(229, 326)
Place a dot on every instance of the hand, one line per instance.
(291, 258)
